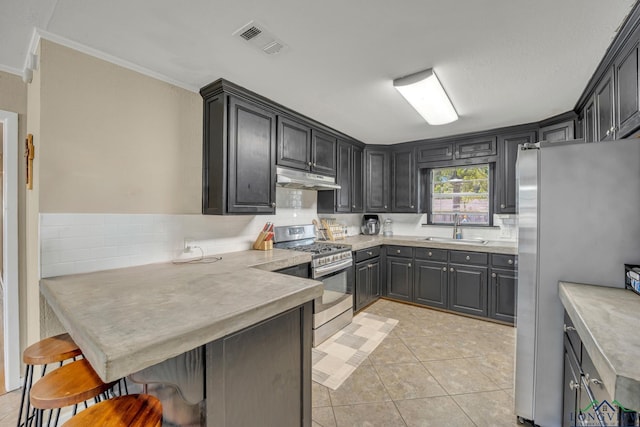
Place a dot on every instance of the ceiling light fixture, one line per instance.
(425, 93)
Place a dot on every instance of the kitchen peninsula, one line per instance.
(129, 319)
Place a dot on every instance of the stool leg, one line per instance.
(55, 423)
(25, 386)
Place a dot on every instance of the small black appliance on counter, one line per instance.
(370, 224)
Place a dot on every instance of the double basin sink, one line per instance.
(458, 241)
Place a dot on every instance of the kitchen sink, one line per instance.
(459, 241)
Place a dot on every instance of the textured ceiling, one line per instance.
(502, 62)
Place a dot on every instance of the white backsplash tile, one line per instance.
(79, 243)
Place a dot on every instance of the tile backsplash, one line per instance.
(73, 243)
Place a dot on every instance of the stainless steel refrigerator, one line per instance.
(578, 220)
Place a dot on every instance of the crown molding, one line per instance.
(39, 34)
(11, 70)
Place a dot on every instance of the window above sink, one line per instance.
(462, 190)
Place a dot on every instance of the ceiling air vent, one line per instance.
(251, 33)
(258, 36)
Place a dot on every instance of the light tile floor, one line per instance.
(434, 369)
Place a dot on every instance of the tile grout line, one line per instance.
(386, 389)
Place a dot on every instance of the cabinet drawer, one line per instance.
(431, 254)
(401, 251)
(505, 261)
(363, 254)
(461, 257)
(572, 335)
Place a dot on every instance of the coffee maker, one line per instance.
(370, 224)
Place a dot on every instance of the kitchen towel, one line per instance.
(336, 358)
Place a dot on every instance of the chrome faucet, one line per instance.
(457, 233)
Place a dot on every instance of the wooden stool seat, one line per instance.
(134, 410)
(51, 350)
(68, 385)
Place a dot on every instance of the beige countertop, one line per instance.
(128, 319)
(494, 246)
(606, 320)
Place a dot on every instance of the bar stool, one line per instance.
(70, 384)
(133, 410)
(49, 350)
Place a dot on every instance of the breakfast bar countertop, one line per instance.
(606, 321)
(128, 319)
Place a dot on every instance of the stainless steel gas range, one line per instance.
(332, 264)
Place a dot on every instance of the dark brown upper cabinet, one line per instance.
(294, 144)
(604, 108)
(350, 197)
(404, 193)
(589, 121)
(435, 152)
(323, 153)
(627, 78)
(301, 147)
(505, 180)
(475, 147)
(239, 148)
(357, 178)
(377, 176)
(557, 132)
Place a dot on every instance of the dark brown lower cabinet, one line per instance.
(464, 281)
(399, 278)
(431, 283)
(468, 289)
(503, 289)
(367, 286)
(261, 376)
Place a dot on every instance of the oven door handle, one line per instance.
(331, 268)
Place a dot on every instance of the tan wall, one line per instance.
(13, 97)
(116, 141)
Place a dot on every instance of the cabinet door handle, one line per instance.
(369, 265)
(430, 253)
(398, 251)
(409, 265)
(385, 206)
(412, 206)
(369, 253)
(273, 204)
(444, 268)
(613, 129)
(314, 164)
(494, 275)
(608, 132)
(510, 262)
(574, 385)
(468, 258)
(568, 328)
(502, 206)
(309, 163)
(451, 269)
(353, 206)
(596, 381)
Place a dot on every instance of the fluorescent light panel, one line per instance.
(425, 93)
